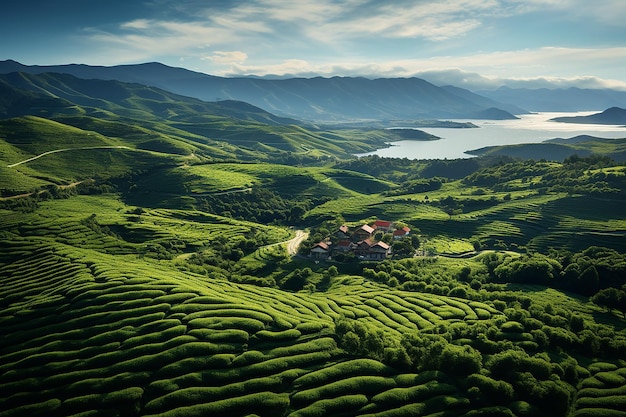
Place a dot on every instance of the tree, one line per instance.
(332, 271)
(611, 298)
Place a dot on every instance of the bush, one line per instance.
(491, 391)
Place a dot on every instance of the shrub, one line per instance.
(512, 327)
(342, 370)
(491, 390)
(331, 406)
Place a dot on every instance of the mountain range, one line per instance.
(558, 99)
(344, 99)
(23, 93)
(336, 99)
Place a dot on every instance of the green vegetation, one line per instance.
(148, 271)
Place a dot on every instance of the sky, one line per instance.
(469, 43)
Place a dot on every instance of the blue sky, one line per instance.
(470, 43)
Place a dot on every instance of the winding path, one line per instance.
(294, 244)
(65, 150)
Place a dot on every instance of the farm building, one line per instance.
(344, 246)
(400, 233)
(382, 225)
(343, 232)
(321, 250)
(360, 241)
(368, 249)
(363, 232)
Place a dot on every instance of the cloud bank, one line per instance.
(457, 39)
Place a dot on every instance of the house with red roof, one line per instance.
(383, 225)
(343, 232)
(400, 233)
(320, 250)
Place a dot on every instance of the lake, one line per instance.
(530, 128)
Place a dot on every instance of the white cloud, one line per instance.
(139, 24)
(327, 37)
(228, 57)
(531, 68)
(295, 67)
(431, 20)
(475, 81)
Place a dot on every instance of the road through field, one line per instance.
(60, 187)
(294, 244)
(65, 150)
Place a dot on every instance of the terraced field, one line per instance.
(603, 393)
(94, 322)
(87, 332)
(83, 337)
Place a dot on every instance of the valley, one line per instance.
(156, 260)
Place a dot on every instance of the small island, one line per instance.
(407, 133)
(389, 124)
(611, 116)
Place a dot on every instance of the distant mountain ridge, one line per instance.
(313, 99)
(558, 99)
(149, 118)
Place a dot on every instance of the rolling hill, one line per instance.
(335, 99)
(559, 149)
(151, 119)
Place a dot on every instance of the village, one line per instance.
(370, 242)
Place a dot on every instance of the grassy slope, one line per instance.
(540, 221)
(88, 328)
(559, 149)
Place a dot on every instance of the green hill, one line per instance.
(610, 116)
(153, 119)
(147, 268)
(559, 149)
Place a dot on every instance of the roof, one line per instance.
(344, 229)
(344, 243)
(366, 242)
(382, 223)
(322, 245)
(401, 232)
(381, 245)
(367, 228)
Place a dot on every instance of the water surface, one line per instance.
(530, 128)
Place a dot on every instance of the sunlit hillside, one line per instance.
(166, 257)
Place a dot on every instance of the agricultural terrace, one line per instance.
(163, 286)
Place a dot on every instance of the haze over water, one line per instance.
(530, 128)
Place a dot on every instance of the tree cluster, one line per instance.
(575, 175)
(492, 376)
(259, 205)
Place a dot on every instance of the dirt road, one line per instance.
(65, 150)
(294, 244)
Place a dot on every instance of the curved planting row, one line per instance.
(603, 393)
(86, 333)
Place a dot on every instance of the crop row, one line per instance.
(603, 393)
(127, 336)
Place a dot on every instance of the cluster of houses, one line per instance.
(360, 241)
